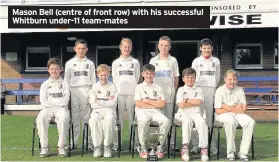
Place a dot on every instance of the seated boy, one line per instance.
(54, 98)
(149, 99)
(102, 122)
(189, 99)
(230, 108)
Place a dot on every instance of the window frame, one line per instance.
(275, 65)
(248, 66)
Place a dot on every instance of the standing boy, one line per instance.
(189, 98)
(80, 75)
(230, 107)
(54, 98)
(167, 73)
(125, 74)
(208, 77)
(149, 99)
(103, 100)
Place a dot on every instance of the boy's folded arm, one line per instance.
(143, 105)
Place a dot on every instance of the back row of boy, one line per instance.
(153, 98)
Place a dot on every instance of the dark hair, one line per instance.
(54, 61)
(80, 41)
(148, 67)
(205, 41)
(188, 71)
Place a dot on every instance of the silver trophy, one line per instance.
(152, 140)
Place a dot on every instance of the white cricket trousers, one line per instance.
(125, 102)
(187, 120)
(231, 121)
(102, 124)
(207, 112)
(61, 116)
(144, 118)
(80, 110)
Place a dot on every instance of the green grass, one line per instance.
(16, 137)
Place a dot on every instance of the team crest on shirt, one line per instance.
(120, 65)
(185, 93)
(213, 64)
(99, 92)
(196, 94)
(132, 65)
(156, 64)
(169, 64)
(87, 66)
(108, 93)
(49, 87)
(75, 65)
(155, 94)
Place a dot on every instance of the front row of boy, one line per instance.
(230, 105)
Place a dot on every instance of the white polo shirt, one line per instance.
(190, 93)
(165, 71)
(145, 91)
(229, 97)
(207, 70)
(99, 96)
(126, 74)
(80, 72)
(54, 94)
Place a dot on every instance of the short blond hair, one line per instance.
(166, 38)
(103, 67)
(231, 71)
(128, 40)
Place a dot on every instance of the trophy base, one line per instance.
(152, 158)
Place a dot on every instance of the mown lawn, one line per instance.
(16, 138)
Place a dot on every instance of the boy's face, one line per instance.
(189, 80)
(54, 71)
(230, 81)
(206, 50)
(80, 50)
(125, 48)
(148, 76)
(164, 46)
(103, 76)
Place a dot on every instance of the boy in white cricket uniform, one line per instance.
(149, 99)
(208, 77)
(54, 98)
(80, 75)
(167, 73)
(230, 107)
(103, 100)
(125, 74)
(189, 98)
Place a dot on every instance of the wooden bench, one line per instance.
(20, 92)
(262, 89)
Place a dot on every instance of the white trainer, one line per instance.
(62, 152)
(204, 154)
(185, 154)
(97, 152)
(107, 152)
(44, 152)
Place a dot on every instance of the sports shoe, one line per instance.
(44, 152)
(174, 149)
(160, 152)
(143, 153)
(97, 152)
(231, 157)
(185, 153)
(62, 152)
(204, 155)
(107, 151)
(242, 157)
(195, 150)
(114, 148)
